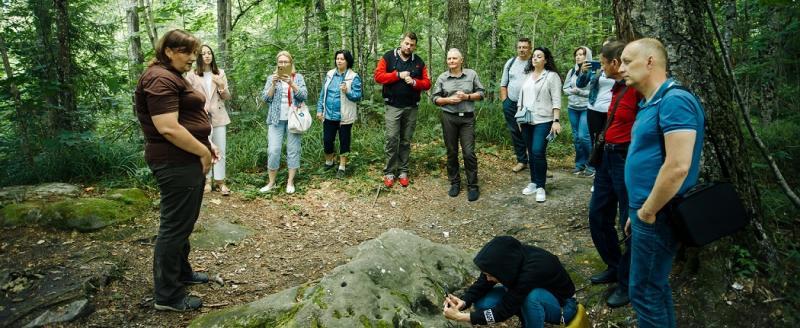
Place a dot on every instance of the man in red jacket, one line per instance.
(403, 76)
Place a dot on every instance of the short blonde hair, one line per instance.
(287, 55)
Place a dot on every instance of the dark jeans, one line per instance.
(540, 306)
(181, 190)
(460, 129)
(653, 246)
(329, 131)
(536, 140)
(509, 109)
(400, 125)
(596, 121)
(609, 195)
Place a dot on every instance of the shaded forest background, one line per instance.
(69, 69)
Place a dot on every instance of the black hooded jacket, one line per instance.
(521, 269)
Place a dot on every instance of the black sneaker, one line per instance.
(607, 276)
(340, 173)
(473, 194)
(618, 298)
(188, 303)
(196, 278)
(454, 190)
(329, 166)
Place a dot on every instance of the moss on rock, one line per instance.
(130, 196)
(86, 214)
(20, 214)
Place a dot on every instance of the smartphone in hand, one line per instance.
(595, 64)
(551, 136)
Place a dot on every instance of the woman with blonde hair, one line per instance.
(284, 89)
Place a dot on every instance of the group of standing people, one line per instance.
(653, 134)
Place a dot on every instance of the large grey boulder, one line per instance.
(396, 280)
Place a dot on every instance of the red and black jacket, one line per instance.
(397, 92)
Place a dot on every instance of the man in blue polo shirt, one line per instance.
(663, 161)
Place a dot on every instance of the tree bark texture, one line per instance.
(149, 22)
(21, 114)
(135, 56)
(458, 26)
(67, 117)
(44, 70)
(223, 30)
(680, 26)
(495, 60)
(322, 19)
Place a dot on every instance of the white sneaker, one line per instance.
(540, 195)
(289, 189)
(265, 189)
(530, 189)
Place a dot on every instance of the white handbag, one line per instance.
(299, 119)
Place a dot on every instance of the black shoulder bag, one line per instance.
(596, 157)
(707, 211)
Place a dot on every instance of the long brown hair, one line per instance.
(177, 40)
(200, 66)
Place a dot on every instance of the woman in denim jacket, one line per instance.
(281, 93)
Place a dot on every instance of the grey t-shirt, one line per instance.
(513, 77)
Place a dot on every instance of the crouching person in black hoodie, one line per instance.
(515, 279)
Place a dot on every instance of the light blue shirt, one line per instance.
(332, 100)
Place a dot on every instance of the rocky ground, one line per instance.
(263, 245)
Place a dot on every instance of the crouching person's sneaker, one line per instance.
(188, 303)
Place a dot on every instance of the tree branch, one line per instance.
(743, 107)
(244, 11)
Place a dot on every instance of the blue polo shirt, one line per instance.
(678, 111)
(333, 101)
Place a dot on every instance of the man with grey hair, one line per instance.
(663, 162)
(456, 91)
(510, 84)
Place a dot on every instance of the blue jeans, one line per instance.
(580, 137)
(609, 195)
(275, 135)
(653, 247)
(509, 109)
(536, 140)
(539, 306)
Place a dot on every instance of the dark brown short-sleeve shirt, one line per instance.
(161, 90)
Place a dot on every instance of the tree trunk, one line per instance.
(772, 70)
(223, 30)
(21, 115)
(44, 68)
(135, 56)
(729, 10)
(458, 26)
(680, 25)
(67, 117)
(322, 17)
(494, 53)
(429, 24)
(149, 23)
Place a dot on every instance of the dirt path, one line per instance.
(297, 238)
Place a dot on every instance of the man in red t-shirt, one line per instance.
(609, 192)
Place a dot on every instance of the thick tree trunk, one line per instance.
(458, 26)
(322, 18)
(135, 56)
(223, 31)
(680, 25)
(44, 68)
(68, 118)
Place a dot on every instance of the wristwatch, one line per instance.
(557, 121)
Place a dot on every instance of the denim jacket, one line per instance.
(274, 103)
(589, 78)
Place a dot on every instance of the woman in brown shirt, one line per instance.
(179, 153)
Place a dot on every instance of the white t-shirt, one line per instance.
(284, 101)
(207, 82)
(603, 100)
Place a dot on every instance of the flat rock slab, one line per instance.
(395, 280)
(66, 313)
(42, 191)
(54, 290)
(217, 234)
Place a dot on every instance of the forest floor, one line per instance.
(298, 238)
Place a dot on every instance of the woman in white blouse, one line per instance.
(538, 111)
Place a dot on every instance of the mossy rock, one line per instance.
(86, 214)
(21, 214)
(216, 234)
(130, 196)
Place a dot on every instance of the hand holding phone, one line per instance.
(595, 65)
(552, 135)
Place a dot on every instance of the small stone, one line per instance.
(41, 241)
(446, 234)
(737, 286)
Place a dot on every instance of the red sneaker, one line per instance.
(388, 181)
(404, 181)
